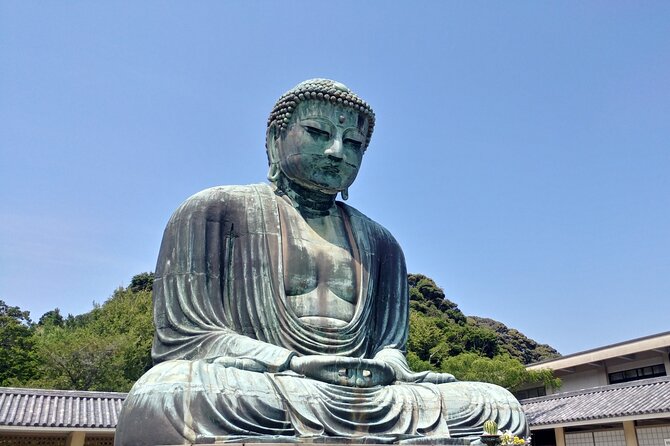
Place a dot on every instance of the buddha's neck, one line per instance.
(309, 202)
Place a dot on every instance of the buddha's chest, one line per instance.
(319, 272)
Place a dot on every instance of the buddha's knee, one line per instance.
(470, 391)
(149, 415)
(465, 397)
(470, 404)
(168, 373)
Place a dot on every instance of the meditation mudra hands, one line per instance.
(357, 372)
(344, 371)
(351, 372)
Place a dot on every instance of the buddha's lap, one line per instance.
(193, 399)
(206, 379)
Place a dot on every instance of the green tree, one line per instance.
(442, 338)
(52, 317)
(108, 348)
(502, 370)
(428, 298)
(480, 340)
(17, 359)
(424, 335)
(515, 343)
(80, 359)
(129, 313)
(142, 282)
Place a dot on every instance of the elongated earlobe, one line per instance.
(274, 172)
(271, 146)
(345, 194)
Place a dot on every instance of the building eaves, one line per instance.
(59, 408)
(637, 398)
(656, 341)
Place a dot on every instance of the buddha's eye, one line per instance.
(353, 143)
(316, 132)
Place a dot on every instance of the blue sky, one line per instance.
(521, 155)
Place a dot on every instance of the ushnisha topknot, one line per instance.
(320, 89)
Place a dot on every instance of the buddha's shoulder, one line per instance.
(225, 197)
(359, 219)
(218, 194)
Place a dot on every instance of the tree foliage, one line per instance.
(80, 359)
(501, 369)
(108, 348)
(17, 358)
(442, 338)
(142, 282)
(52, 317)
(515, 343)
(427, 298)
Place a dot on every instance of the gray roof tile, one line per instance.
(59, 408)
(649, 396)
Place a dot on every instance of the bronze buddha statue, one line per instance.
(281, 314)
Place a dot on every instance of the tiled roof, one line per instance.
(644, 397)
(59, 408)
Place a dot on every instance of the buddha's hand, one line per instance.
(351, 372)
(424, 377)
(248, 364)
(395, 358)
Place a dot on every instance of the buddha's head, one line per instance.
(317, 134)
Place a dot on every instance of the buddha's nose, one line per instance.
(334, 151)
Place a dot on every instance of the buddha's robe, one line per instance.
(225, 336)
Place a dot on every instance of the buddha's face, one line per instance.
(322, 148)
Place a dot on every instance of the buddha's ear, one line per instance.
(271, 138)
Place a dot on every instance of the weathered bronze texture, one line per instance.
(281, 314)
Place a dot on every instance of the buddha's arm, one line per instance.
(218, 344)
(397, 361)
(210, 286)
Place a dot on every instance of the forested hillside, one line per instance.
(108, 348)
(442, 338)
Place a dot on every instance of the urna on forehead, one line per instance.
(323, 90)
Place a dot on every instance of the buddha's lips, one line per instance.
(332, 169)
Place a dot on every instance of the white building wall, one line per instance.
(613, 437)
(583, 380)
(610, 438)
(653, 435)
(579, 439)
